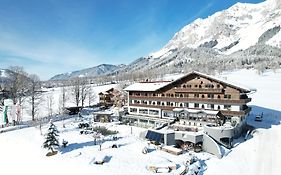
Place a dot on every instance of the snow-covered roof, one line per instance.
(153, 86)
(147, 86)
(232, 84)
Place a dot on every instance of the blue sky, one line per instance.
(48, 37)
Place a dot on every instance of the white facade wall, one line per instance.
(191, 105)
(235, 108)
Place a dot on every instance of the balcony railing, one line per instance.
(194, 100)
(202, 90)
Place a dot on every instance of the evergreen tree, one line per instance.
(51, 142)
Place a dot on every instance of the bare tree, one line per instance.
(18, 84)
(35, 94)
(50, 104)
(84, 91)
(75, 90)
(79, 90)
(63, 98)
(91, 96)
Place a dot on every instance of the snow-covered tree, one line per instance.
(51, 141)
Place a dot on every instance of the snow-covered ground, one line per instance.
(260, 155)
(21, 150)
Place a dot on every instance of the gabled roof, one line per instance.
(154, 86)
(231, 84)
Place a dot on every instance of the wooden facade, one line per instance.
(194, 93)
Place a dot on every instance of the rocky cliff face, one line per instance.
(245, 31)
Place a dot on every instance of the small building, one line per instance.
(111, 97)
(102, 116)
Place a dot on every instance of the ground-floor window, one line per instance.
(134, 110)
(153, 112)
(143, 111)
(168, 114)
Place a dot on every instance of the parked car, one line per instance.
(258, 118)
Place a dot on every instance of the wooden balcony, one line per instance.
(192, 100)
(199, 90)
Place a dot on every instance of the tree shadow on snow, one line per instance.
(74, 146)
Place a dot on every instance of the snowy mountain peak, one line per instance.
(231, 30)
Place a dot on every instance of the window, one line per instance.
(218, 86)
(196, 85)
(196, 95)
(203, 106)
(227, 96)
(184, 86)
(153, 112)
(227, 107)
(212, 106)
(219, 96)
(203, 96)
(181, 105)
(196, 105)
(200, 86)
(163, 95)
(186, 105)
(158, 102)
(172, 95)
(163, 104)
(168, 103)
(143, 111)
(210, 95)
(186, 95)
(181, 96)
(219, 107)
(188, 86)
(134, 110)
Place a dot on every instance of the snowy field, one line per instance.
(21, 150)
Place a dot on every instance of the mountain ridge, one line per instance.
(243, 36)
(102, 69)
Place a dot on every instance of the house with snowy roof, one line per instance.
(194, 100)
